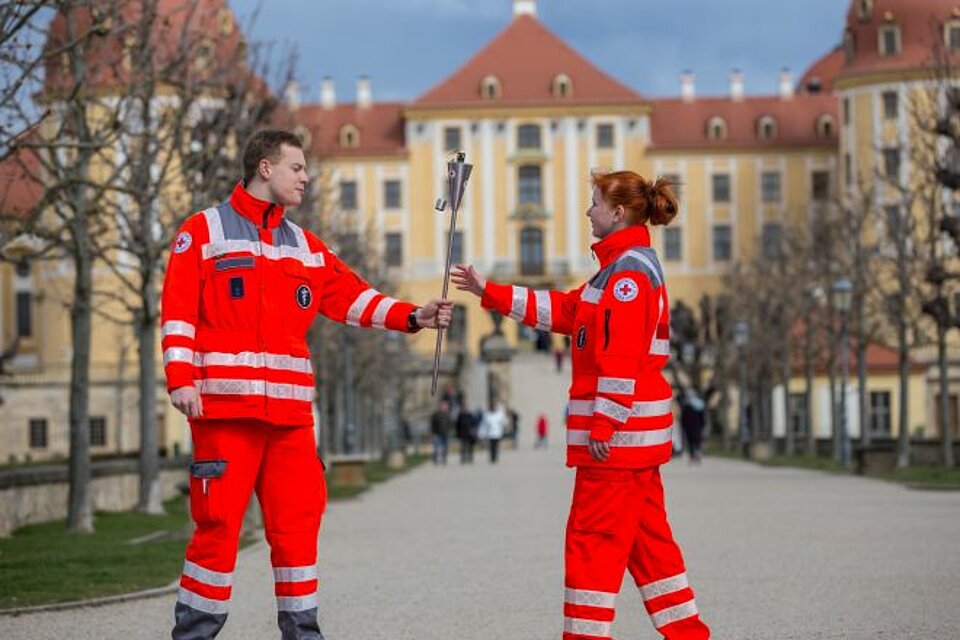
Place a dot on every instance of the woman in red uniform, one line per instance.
(619, 416)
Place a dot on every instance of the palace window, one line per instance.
(98, 431)
(531, 251)
(771, 238)
(393, 248)
(348, 195)
(865, 8)
(722, 243)
(820, 182)
(676, 184)
(37, 433)
(716, 128)
(721, 187)
(951, 35)
(825, 126)
(770, 186)
(24, 314)
(673, 244)
(562, 86)
(349, 137)
(529, 185)
(891, 105)
(891, 163)
(880, 413)
(605, 136)
(391, 194)
(490, 88)
(451, 139)
(889, 40)
(528, 136)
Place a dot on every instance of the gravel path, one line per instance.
(475, 553)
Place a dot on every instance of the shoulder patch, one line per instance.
(625, 289)
(182, 242)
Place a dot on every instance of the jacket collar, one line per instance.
(617, 242)
(260, 212)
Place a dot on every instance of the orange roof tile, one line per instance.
(20, 190)
(823, 72)
(381, 128)
(526, 58)
(677, 124)
(917, 20)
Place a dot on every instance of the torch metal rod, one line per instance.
(443, 295)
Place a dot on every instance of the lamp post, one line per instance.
(842, 299)
(741, 335)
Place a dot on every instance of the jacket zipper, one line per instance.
(606, 328)
(266, 214)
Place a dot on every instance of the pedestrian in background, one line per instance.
(466, 425)
(440, 426)
(542, 428)
(514, 426)
(692, 410)
(619, 428)
(492, 429)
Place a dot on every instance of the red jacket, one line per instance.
(620, 324)
(243, 285)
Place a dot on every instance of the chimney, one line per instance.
(688, 91)
(786, 84)
(291, 95)
(736, 85)
(524, 8)
(364, 93)
(328, 93)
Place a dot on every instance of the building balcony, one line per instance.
(528, 212)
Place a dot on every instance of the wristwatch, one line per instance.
(412, 325)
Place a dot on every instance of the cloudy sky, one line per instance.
(407, 46)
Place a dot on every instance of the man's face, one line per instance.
(287, 177)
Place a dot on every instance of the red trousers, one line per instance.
(618, 521)
(232, 459)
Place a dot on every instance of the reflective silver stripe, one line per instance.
(580, 408)
(646, 261)
(590, 294)
(177, 328)
(253, 359)
(177, 354)
(652, 408)
(663, 587)
(624, 438)
(640, 409)
(583, 627)
(360, 305)
(214, 224)
(295, 574)
(198, 602)
(380, 314)
(544, 312)
(268, 251)
(519, 309)
(611, 409)
(623, 386)
(297, 603)
(660, 347)
(590, 598)
(207, 576)
(217, 386)
(300, 236)
(674, 614)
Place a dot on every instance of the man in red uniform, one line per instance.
(619, 418)
(242, 287)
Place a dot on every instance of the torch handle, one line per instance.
(446, 286)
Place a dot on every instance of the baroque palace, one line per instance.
(535, 117)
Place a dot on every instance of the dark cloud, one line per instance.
(407, 46)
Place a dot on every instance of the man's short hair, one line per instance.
(265, 144)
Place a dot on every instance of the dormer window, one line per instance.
(951, 36)
(767, 128)
(304, 134)
(865, 8)
(889, 40)
(562, 86)
(826, 128)
(490, 88)
(849, 47)
(225, 21)
(716, 128)
(349, 137)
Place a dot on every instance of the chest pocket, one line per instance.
(229, 293)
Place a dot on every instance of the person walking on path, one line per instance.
(467, 435)
(492, 429)
(692, 409)
(440, 426)
(542, 428)
(620, 413)
(243, 285)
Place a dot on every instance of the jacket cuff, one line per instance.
(396, 320)
(498, 297)
(601, 432)
(179, 375)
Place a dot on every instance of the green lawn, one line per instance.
(42, 564)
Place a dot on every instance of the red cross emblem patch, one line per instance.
(182, 243)
(625, 290)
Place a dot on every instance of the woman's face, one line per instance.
(604, 219)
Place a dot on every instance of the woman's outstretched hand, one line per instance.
(466, 278)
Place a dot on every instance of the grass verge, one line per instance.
(43, 564)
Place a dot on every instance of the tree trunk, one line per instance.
(834, 408)
(808, 388)
(151, 495)
(80, 503)
(862, 393)
(945, 436)
(903, 426)
(785, 373)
